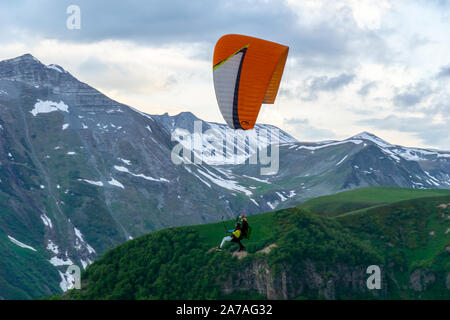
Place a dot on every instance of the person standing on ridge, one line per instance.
(245, 232)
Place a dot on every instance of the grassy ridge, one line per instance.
(348, 202)
(413, 235)
(178, 263)
(414, 231)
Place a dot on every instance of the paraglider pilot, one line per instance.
(236, 235)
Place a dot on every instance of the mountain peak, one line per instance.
(187, 114)
(371, 137)
(28, 69)
(364, 135)
(27, 57)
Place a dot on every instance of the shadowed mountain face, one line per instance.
(81, 173)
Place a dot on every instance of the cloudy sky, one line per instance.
(379, 66)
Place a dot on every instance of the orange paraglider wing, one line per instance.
(247, 72)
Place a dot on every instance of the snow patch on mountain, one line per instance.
(273, 205)
(55, 261)
(327, 145)
(342, 160)
(125, 170)
(415, 154)
(85, 263)
(80, 242)
(21, 244)
(227, 184)
(257, 179)
(142, 113)
(127, 162)
(67, 281)
(47, 221)
(195, 175)
(56, 68)
(116, 183)
(48, 106)
(282, 198)
(95, 183)
(51, 246)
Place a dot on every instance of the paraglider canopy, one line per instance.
(247, 73)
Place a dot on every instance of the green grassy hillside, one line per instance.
(314, 257)
(361, 199)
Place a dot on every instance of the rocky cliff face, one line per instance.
(329, 283)
(283, 285)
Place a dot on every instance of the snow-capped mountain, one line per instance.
(397, 152)
(237, 145)
(81, 173)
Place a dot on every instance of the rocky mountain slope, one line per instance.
(81, 173)
(308, 170)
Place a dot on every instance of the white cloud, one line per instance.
(398, 46)
(369, 13)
